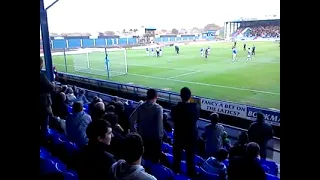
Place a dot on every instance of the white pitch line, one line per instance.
(184, 74)
(197, 83)
(211, 85)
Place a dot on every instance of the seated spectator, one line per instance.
(166, 125)
(98, 111)
(71, 98)
(225, 141)
(248, 166)
(215, 165)
(59, 106)
(130, 166)
(91, 105)
(110, 109)
(118, 133)
(93, 161)
(76, 125)
(239, 148)
(123, 117)
(81, 97)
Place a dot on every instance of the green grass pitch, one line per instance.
(256, 82)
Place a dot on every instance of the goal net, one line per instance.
(92, 61)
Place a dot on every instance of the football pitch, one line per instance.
(256, 82)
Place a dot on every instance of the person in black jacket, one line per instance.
(93, 161)
(46, 88)
(185, 116)
(248, 166)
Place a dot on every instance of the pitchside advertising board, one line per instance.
(240, 110)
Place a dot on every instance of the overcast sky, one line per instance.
(101, 15)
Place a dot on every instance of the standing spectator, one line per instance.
(46, 88)
(185, 116)
(260, 132)
(148, 117)
(239, 148)
(213, 135)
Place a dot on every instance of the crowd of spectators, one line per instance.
(114, 139)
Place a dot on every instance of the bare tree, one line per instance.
(174, 31)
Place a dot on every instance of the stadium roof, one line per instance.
(151, 28)
(258, 18)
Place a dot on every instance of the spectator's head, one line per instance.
(99, 106)
(152, 95)
(95, 99)
(82, 92)
(69, 91)
(185, 94)
(112, 118)
(41, 63)
(99, 131)
(119, 107)
(62, 97)
(77, 107)
(260, 117)
(222, 155)
(243, 138)
(252, 150)
(110, 108)
(224, 135)
(214, 118)
(133, 148)
(165, 117)
(64, 88)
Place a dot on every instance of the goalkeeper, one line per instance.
(107, 61)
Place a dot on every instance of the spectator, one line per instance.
(148, 117)
(91, 105)
(98, 111)
(59, 107)
(76, 125)
(246, 167)
(239, 148)
(185, 116)
(122, 116)
(93, 162)
(82, 97)
(260, 132)
(216, 166)
(130, 166)
(118, 133)
(71, 98)
(166, 125)
(46, 88)
(225, 141)
(213, 135)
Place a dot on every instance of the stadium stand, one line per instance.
(59, 156)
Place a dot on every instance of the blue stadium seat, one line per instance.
(198, 160)
(70, 175)
(183, 167)
(165, 147)
(273, 167)
(60, 166)
(71, 148)
(181, 177)
(272, 177)
(169, 149)
(169, 158)
(161, 172)
(44, 153)
(226, 162)
(146, 163)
